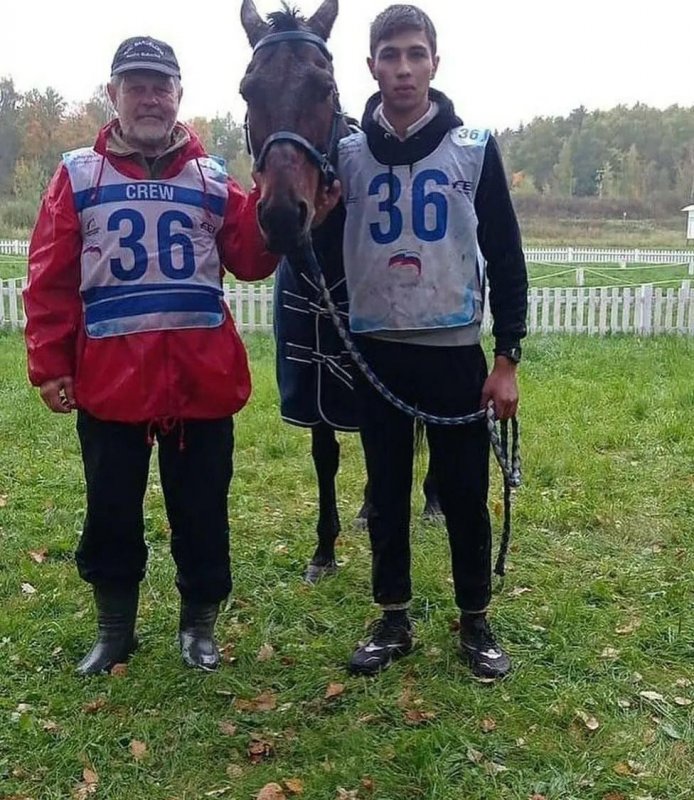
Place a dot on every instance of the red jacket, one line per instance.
(199, 373)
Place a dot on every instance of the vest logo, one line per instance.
(406, 259)
(92, 249)
(464, 187)
(92, 228)
(149, 191)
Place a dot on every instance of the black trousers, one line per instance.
(446, 381)
(195, 467)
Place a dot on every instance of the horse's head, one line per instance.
(293, 116)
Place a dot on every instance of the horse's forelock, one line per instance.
(288, 20)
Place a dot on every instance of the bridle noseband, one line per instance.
(322, 160)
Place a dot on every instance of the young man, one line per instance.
(126, 323)
(427, 204)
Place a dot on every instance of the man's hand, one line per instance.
(59, 394)
(326, 200)
(501, 387)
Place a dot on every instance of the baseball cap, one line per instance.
(144, 52)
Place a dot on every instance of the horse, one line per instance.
(293, 124)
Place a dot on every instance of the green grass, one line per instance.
(562, 275)
(12, 266)
(545, 232)
(597, 609)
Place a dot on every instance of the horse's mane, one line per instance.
(288, 20)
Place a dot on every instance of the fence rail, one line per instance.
(643, 310)
(536, 255)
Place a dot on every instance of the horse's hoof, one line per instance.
(316, 572)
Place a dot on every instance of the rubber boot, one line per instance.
(196, 635)
(116, 611)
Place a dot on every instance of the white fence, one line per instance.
(13, 247)
(644, 310)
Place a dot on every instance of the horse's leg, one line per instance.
(432, 506)
(362, 518)
(325, 450)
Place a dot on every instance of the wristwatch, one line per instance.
(512, 353)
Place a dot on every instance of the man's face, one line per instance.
(404, 67)
(147, 106)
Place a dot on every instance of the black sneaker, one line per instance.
(480, 649)
(387, 642)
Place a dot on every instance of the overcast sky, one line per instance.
(502, 62)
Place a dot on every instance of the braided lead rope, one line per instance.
(510, 464)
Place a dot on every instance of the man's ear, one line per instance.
(111, 91)
(372, 65)
(435, 61)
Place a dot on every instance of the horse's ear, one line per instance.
(253, 23)
(323, 20)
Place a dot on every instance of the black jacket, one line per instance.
(497, 232)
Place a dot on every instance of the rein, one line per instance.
(509, 463)
(322, 160)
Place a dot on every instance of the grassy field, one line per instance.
(539, 274)
(596, 613)
(542, 232)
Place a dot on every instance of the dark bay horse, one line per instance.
(294, 123)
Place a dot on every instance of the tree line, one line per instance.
(637, 157)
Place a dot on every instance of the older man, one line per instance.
(126, 323)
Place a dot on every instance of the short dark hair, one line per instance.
(398, 18)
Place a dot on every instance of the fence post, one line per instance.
(691, 266)
(647, 309)
(580, 277)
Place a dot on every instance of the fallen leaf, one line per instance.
(334, 690)
(622, 768)
(609, 652)
(538, 797)
(519, 591)
(228, 728)
(683, 701)
(683, 683)
(652, 696)
(294, 786)
(368, 784)
(492, 768)
(416, 717)
(89, 785)
(90, 777)
(271, 791)
(590, 722)
(343, 794)
(624, 703)
(266, 701)
(27, 588)
(266, 652)
(50, 727)
(475, 756)
(39, 556)
(367, 718)
(138, 749)
(630, 627)
(614, 796)
(259, 750)
(488, 725)
(3, 500)
(94, 706)
(119, 670)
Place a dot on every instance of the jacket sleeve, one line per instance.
(240, 242)
(51, 299)
(500, 242)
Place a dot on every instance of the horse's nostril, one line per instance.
(259, 208)
(303, 213)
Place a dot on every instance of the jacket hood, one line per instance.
(387, 149)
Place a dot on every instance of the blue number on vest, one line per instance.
(165, 241)
(388, 206)
(130, 242)
(437, 200)
(421, 200)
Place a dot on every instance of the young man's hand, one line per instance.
(501, 387)
(326, 200)
(59, 394)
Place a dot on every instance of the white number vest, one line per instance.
(412, 260)
(149, 256)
